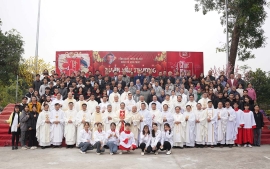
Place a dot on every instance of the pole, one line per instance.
(37, 39)
(17, 89)
(227, 34)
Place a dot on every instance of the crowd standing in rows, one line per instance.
(122, 112)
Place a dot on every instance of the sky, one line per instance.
(122, 25)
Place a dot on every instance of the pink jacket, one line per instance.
(252, 93)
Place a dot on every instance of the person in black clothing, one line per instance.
(258, 116)
(219, 99)
(23, 104)
(32, 122)
(37, 83)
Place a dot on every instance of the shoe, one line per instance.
(98, 153)
(82, 152)
(13, 148)
(121, 152)
(221, 146)
(16, 147)
(245, 145)
(239, 145)
(43, 147)
(24, 148)
(32, 148)
(142, 153)
(128, 151)
(168, 152)
(111, 153)
(212, 146)
(259, 145)
(249, 145)
(183, 147)
(27, 147)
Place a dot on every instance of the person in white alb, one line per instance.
(158, 105)
(85, 141)
(222, 119)
(239, 123)
(108, 117)
(99, 139)
(129, 102)
(135, 123)
(124, 95)
(103, 105)
(82, 117)
(92, 104)
(139, 103)
(127, 141)
(57, 126)
(58, 100)
(156, 115)
(114, 93)
(166, 116)
(179, 103)
(115, 104)
(200, 126)
(78, 105)
(173, 97)
(204, 101)
(212, 125)
(121, 117)
(43, 127)
(231, 129)
(191, 102)
(166, 139)
(97, 117)
(168, 102)
(190, 118)
(112, 137)
(70, 126)
(145, 139)
(147, 118)
(67, 101)
(179, 128)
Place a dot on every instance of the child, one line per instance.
(127, 140)
(258, 116)
(24, 117)
(14, 126)
(167, 139)
(32, 122)
(239, 123)
(248, 128)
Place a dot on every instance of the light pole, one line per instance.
(227, 34)
(37, 39)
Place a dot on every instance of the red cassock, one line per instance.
(122, 117)
(250, 124)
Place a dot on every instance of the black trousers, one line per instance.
(32, 138)
(149, 148)
(167, 146)
(15, 136)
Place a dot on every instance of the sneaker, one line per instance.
(98, 153)
(142, 153)
(168, 152)
(13, 148)
(239, 145)
(249, 145)
(27, 147)
(121, 152)
(24, 148)
(82, 152)
(156, 153)
(128, 151)
(32, 148)
(245, 145)
(111, 153)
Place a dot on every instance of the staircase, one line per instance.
(5, 138)
(265, 139)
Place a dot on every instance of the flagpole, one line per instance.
(227, 34)
(37, 39)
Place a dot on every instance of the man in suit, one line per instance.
(101, 82)
(115, 76)
(108, 89)
(96, 75)
(68, 83)
(150, 76)
(139, 77)
(165, 77)
(138, 84)
(159, 77)
(172, 79)
(125, 77)
(106, 75)
(232, 81)
(120, 81)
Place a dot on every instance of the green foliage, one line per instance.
(261, 83)
(246, 18)
(11, 50)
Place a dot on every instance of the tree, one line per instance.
(11, 50)
(27, 69)
(246, 18)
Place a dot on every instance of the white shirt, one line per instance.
(145, 139)
(156, 139)
(85, 136)
(113, 138)
(167, 136)
(14, 127)
(100, 136)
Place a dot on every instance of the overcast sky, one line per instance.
(122, 25)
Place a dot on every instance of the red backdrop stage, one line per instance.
(72, 61)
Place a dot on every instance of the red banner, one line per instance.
(185, 61)
(129, 61)
(72, 61)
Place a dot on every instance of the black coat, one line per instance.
(259, 120)
(32, 121)
(13, 115)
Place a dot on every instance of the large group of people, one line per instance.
(123, 113)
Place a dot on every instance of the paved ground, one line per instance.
(206, 158)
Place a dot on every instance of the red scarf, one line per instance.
(236, 109)
(99, 131)
(127, 132)
(246, 111)
(113, 130)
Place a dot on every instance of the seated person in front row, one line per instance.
(127, 141)
(99, 139)
(85, 140)
(112, 139)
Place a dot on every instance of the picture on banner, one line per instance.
(73, 61)
(129, 61)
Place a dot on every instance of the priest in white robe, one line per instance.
(121, 117)
(166, 116)
(139, 103)
(179, 103)
(115, 104)
(124, 95)
(135, 123)
(78, 105)
(179, 129)
(192, 102)
(204, 100)
(222, 119)
(212, 125)
(43, 127)
(158, 104)
(129, 102)
(92, 104)
(156, 115)
(67, 101)
(201, 126)
(70, 126)
(103, 105)
(108, 117)
(57, 127)
(168, 102)
(114, 93)
(57, 100)
(190, 126)
(82, 117)
(231, 130)
(97, 117)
